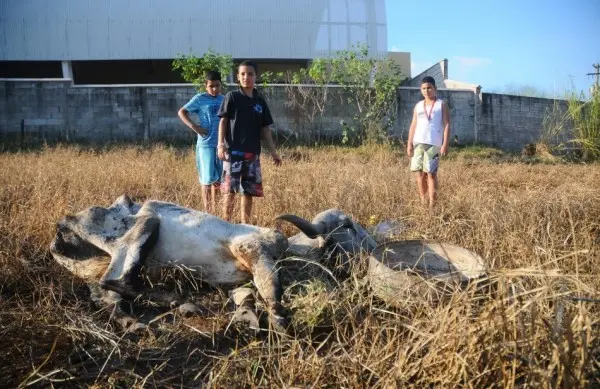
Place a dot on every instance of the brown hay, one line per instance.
(536, 226)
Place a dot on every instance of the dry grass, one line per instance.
(537, 227)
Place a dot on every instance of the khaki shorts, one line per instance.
(426, 158)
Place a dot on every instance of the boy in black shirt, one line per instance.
(245, 120)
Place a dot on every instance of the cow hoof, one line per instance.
(242, 296)
(278, 323)
(189, 309)
(136, 328)
(119, 286)
(245, 315)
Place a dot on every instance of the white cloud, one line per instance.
(395, 48)
(472, 62)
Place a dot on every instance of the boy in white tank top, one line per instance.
(427, 140)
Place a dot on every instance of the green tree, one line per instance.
(369, 84)
(193, 69)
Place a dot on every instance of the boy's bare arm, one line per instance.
(184, 115)
(446, 120)
(266, 136)
(411, 133)
(221, 147)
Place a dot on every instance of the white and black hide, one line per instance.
(158, 234)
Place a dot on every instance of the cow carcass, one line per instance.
(158, 234)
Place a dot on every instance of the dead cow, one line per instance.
(161, 234)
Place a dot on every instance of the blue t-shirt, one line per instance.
(206, 106)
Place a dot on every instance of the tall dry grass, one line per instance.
(536, 226)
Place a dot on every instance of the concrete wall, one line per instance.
(49, 110)
(509, 122)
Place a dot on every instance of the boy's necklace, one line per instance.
(430, 113)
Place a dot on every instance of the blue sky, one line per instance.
(501, 45)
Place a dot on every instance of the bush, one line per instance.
(193, 69)
(574, 127)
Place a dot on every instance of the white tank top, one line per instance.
(430, 124)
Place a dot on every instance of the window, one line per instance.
(322, 44)
(358, 34)
(380, 11)
(338, 11)
(357, 12)
(339, 37)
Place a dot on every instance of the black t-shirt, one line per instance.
(247, 116)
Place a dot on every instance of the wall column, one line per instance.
(67, 70)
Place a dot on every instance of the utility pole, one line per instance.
(596, 87)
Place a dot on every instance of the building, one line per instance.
(134, 41)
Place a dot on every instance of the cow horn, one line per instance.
(309, 229)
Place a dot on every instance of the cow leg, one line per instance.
(172, 300)
(245, 312)
(129, 254)
(112, 300)
(266, 280)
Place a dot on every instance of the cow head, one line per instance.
(68, 244)
(88, 233)
(330, 233)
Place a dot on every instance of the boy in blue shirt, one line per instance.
(206, 105)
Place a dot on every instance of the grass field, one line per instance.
(536, 225)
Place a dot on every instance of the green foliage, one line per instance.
(585, 116)
(369, 83)
(268, 78)
(193, 69)
(574, 126)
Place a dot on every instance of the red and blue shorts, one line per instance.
(242, 174)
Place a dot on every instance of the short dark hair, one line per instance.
(212, 75)
(248, 63)
(428, 80)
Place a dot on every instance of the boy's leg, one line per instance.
(246, 208)
(416, 165)
(251, 184)
(431, 163)
(422, 186)
(228, 205)
(207, 174)
(205, 196)
(216, 177)
(229, 185)
(214, 194)
(432, 188)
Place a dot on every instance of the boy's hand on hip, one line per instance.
(199, 130)
(276, 158)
